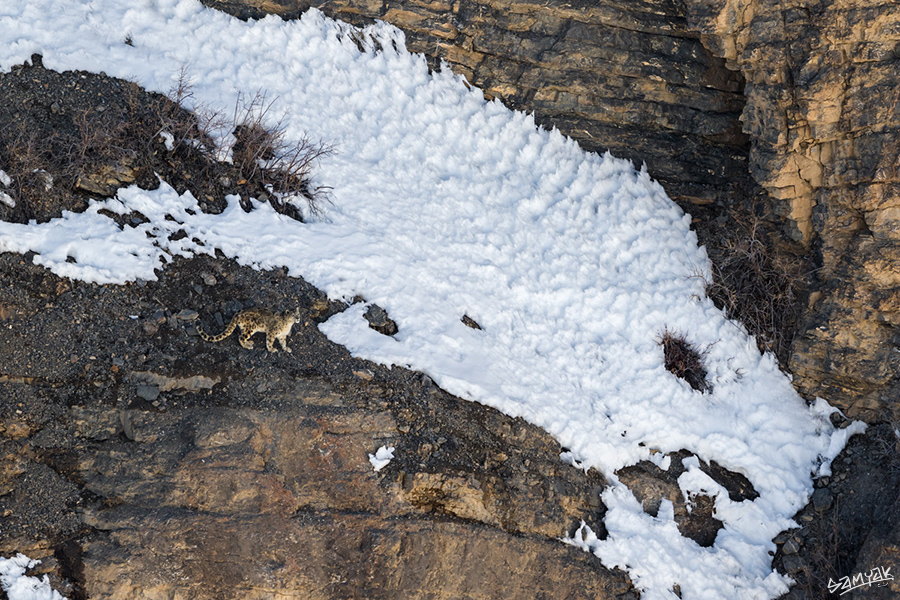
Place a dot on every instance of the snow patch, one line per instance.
(381, 458)
(168, 140)
(18, 586)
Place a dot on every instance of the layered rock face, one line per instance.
(139, 461)
(823, 120)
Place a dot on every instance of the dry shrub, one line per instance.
(824, 561)
(263, 154)
(24, 158)
(36, 165)
(192, 129)
(683, 360)
(759, 286)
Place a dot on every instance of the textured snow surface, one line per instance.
(445, 205)
(382, 457)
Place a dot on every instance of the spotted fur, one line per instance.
(276, 326)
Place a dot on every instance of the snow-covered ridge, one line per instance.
(445, 205)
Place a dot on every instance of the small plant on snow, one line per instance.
(683, 360)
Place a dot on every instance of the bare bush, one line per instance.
(31, 164)
(262, 153)
(759, 286)
(683, 360)
(90, 145)
(191, 127)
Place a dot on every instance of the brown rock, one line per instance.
(106, 179)
(820, 113)
(161, 554)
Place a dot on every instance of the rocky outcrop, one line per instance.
(837, 536)
(821, 88)
(139, 461)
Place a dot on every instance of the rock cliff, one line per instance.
(824, 127)
(136, 465)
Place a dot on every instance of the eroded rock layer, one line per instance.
(823, 119)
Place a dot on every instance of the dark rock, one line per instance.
(379, 321)
(782, 537)
(857, 530)
(793, 564)
(147, 392)
(822, 499)
(738, 486)
(791, 546)
(651, 485)
(470, 322)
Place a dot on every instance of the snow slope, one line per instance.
(445, 205)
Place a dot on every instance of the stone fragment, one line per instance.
(147, 392)
(107, 179)
(793, 564)
(822, 499)
(470, 322)
(379, 320)
(165, 383)
(791, 546)
(364, 374)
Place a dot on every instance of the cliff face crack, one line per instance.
(821, 117)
